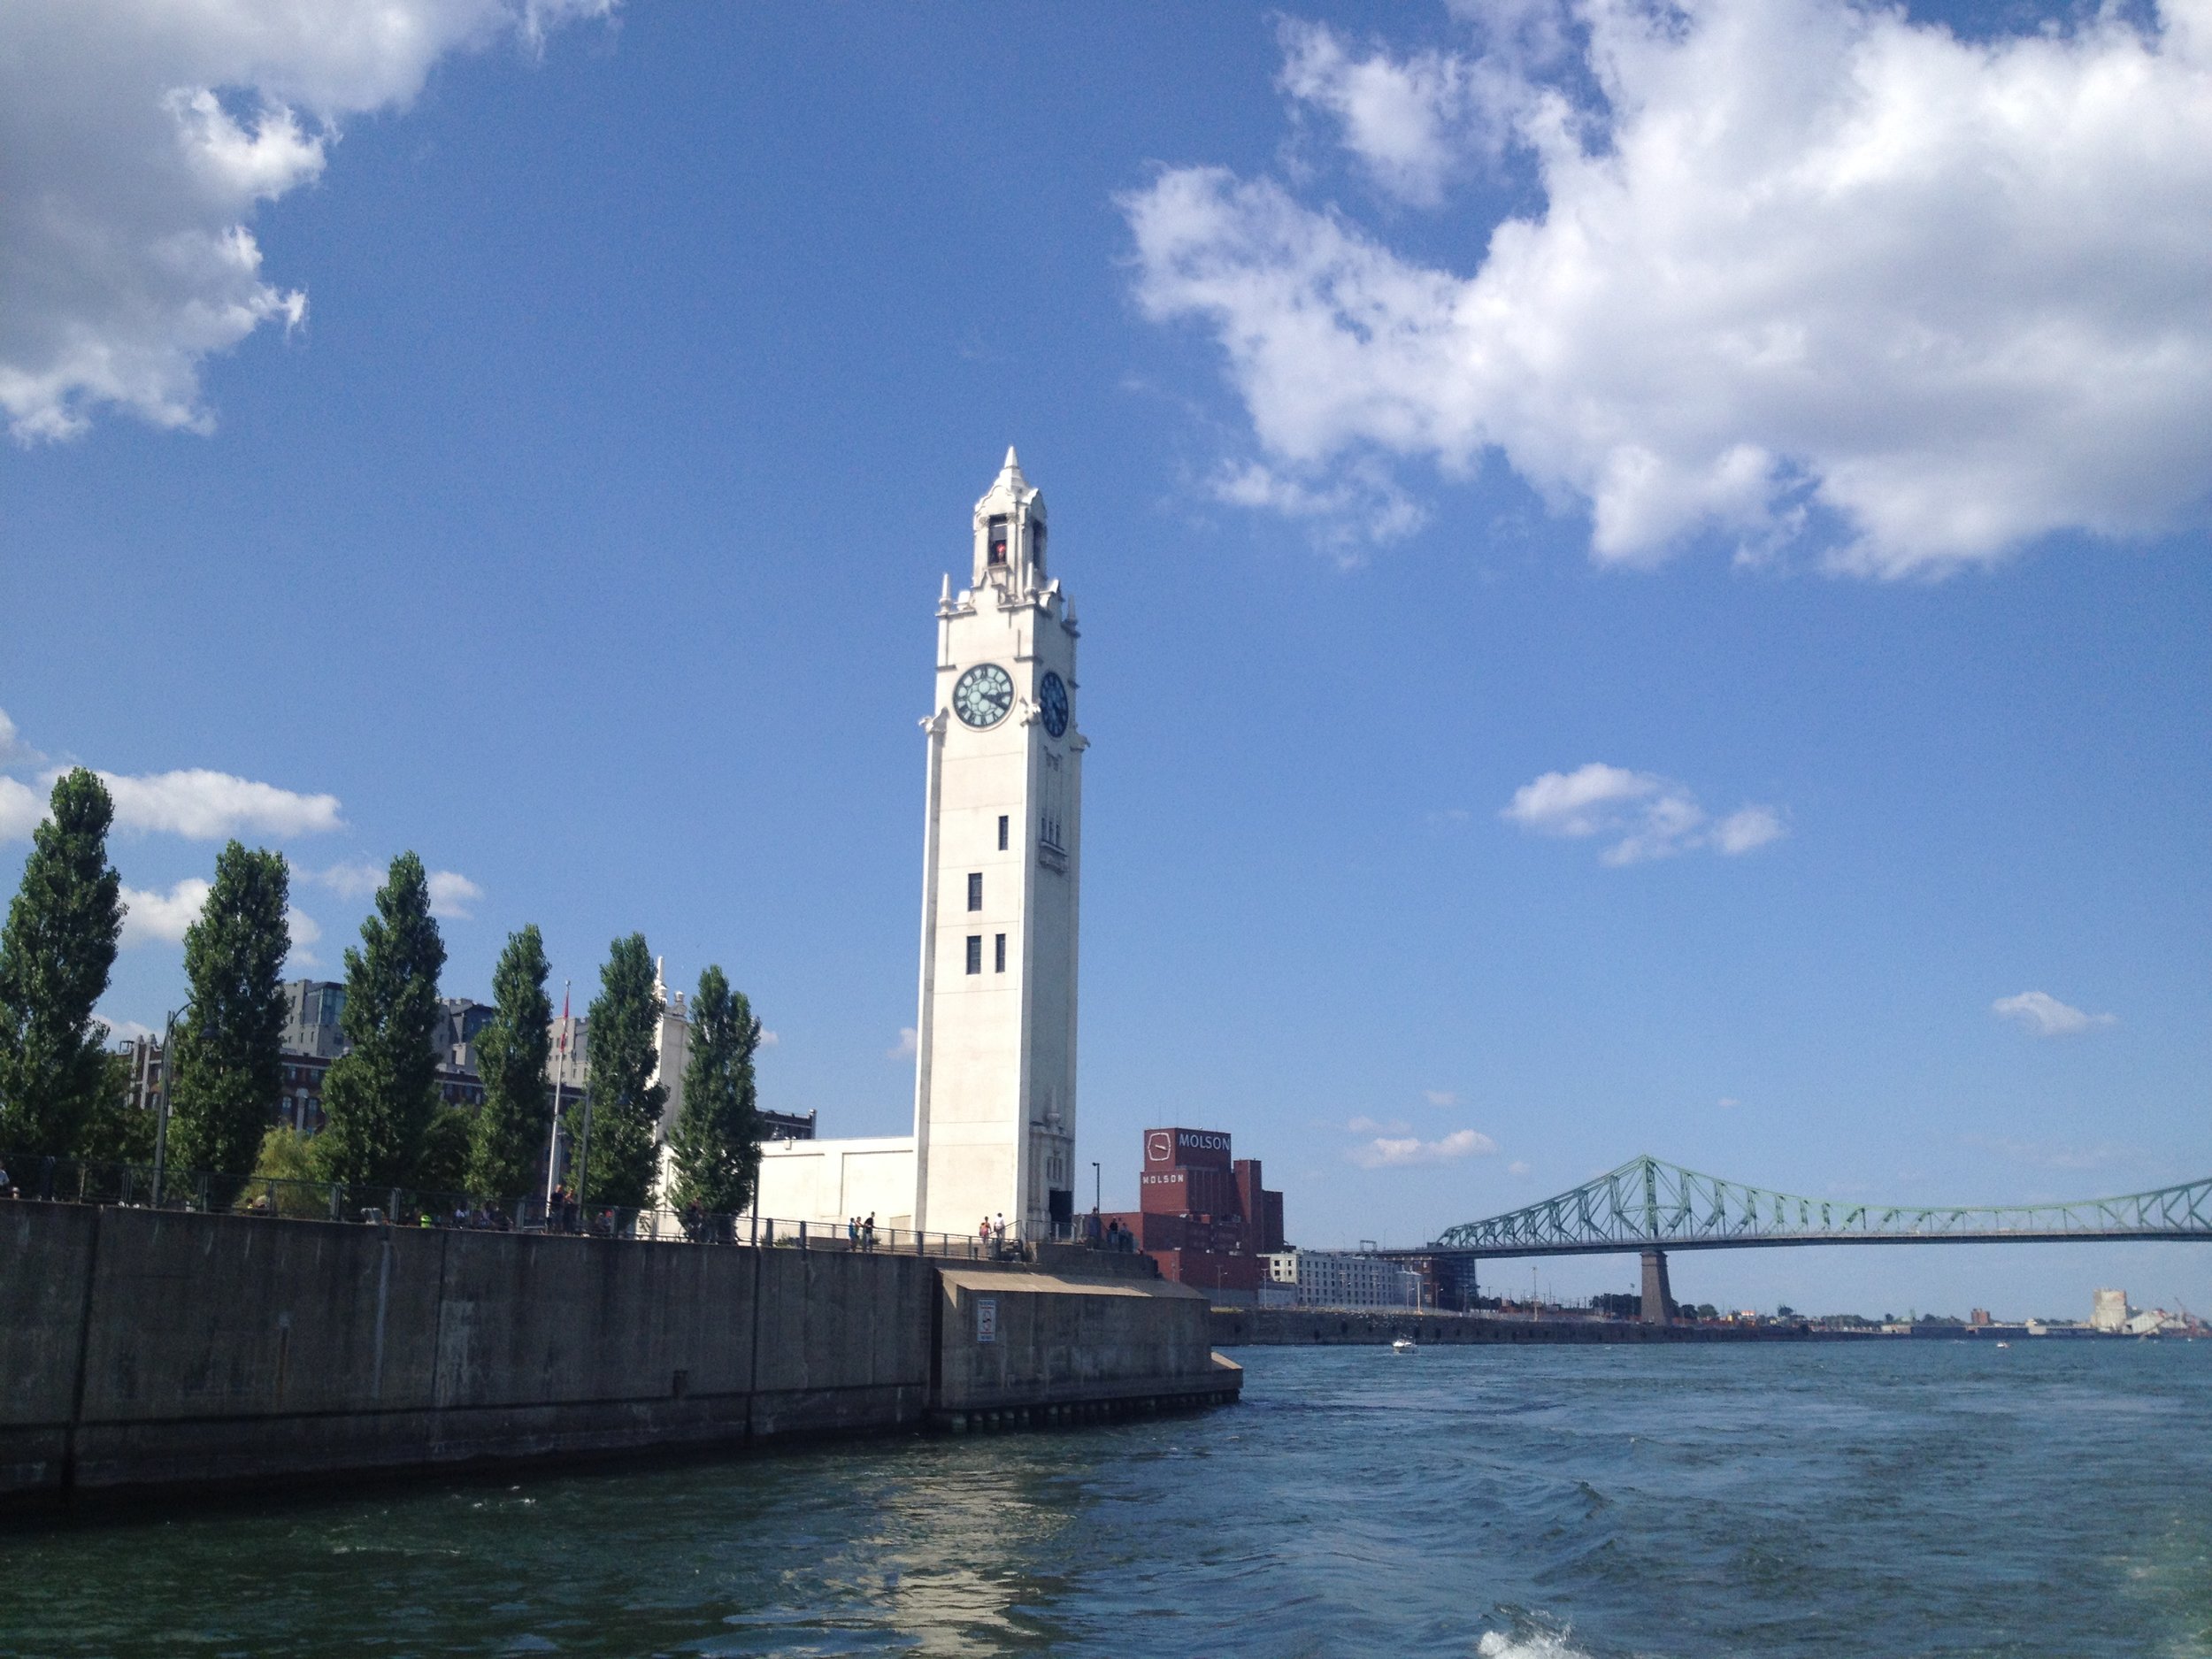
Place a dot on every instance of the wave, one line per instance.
(1536, 1644)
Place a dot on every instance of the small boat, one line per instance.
(2004, 1345)
(1401, 1345)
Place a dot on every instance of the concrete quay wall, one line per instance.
(143, 1349)
(1291, 1327)
(1010, 1344)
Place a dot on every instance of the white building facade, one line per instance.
(995, 1021)
(1334, 1279)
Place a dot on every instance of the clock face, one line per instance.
(983, 696)
(1052, 697)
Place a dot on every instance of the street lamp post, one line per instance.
(168, 1080)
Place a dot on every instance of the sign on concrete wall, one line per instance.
(986, 1318)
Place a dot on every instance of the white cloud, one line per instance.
(13, 750)
(908, 1045)
(136, 141)
(1519, 1166)
(1404, 118)
(155, 918)
(21, 810)
(1652, 816)
(121, 1030)
(451, 893)
(1360, 504)
(202, 805)
(1752, 827)
(1577, 803)
(1798, 269)
(1439, 1097)
(1386, 1152)
(1370, 1126)
(2046, 1017)
(150, 917)
(769, 1039)
(306, 932)
(357, 880)
(1728, 1102)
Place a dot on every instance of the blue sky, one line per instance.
(1531, 727)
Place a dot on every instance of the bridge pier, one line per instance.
(1657, 1297)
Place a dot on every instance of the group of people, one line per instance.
(861, 1233)
(1117, 1237)
(992, 1234)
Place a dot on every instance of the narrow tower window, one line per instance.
(1002, 832)
(975, 953)
(998, 538)
(975, 890)
(1037, 545)
(1001, 968)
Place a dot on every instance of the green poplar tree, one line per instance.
(717, 1141)
(511, 1054)
(381, 1097)
(115, 1131)
(625, 1105)
(55, 954)
(230, 1042)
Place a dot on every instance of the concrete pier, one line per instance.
(1658, 1298)
(143, 1349)
(1034, 1343)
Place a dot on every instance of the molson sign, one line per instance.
(1185, 1148)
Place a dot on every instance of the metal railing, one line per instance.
(138, 1185)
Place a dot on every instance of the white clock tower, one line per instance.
(995, 1069)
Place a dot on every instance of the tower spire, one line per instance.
(1009, 530)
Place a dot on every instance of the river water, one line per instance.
(1880, 1499)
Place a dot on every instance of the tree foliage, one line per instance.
(444, 1165)
(230, 1041)
(381, 1096)
(624, 1101)
(288, 1157)
(115, 1131)
(510, 1055)
(55, 954)
(717, 1142)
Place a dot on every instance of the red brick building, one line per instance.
(1202, 1214)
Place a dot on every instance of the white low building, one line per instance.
(826, 1183)
(1339, 1278)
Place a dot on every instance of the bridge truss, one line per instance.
(1646, 1204)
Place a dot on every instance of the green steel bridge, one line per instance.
(1647, 1204)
